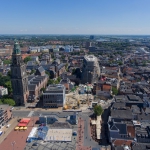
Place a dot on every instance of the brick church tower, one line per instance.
(19, 78)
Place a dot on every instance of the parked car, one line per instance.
(74, 133)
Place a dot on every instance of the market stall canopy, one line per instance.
(16, 128)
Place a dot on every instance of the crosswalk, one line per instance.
(30, 113)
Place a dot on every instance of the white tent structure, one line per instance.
(32, 134)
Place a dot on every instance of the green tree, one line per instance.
(6, 62)
(43, 89)
(9, 86)
(114, 91)
(52, 56)
(58, 79)
(27, 59)
(1, 102)
(120, 63)
(66, 66)
(6, 82)
(50, 81)
(56, 82)
(9, 73)
(62, 57)
(9, 101)
(33, 71)
(47, 72)
(73, 71)
(98, 110)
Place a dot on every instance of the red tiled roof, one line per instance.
(106, 87)
(26, 55)
(122, 142)
(131, 131)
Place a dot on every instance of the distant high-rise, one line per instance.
(19, 77)
(90, 69)
(91, 37)
(88, 44)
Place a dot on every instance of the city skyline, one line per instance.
(75, 17)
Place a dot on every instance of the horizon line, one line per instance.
(75, 34)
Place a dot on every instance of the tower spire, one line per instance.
(16, 49)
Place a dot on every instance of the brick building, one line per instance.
(5, 114)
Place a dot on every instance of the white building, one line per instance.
(3, 91)
(76, 48)
(34, 49)
(68, 48)
(44, 49)
(56, 50)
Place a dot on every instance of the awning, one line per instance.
(21, 128)
(22, 125)
(25, 120)
(25, 128)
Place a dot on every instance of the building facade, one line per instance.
(90, 69)
(35, 84)
(54, 96)
(19, 77)
(5, 114)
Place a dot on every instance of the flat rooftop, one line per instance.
(121, 114)
(90, 58)
(55, 87)
(59, 135)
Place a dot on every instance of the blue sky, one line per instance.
(75, 17)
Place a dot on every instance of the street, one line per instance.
(85, 116)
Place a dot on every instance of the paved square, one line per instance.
(59, 135)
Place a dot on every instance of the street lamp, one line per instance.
(13, 143)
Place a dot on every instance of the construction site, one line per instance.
(78, 101)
